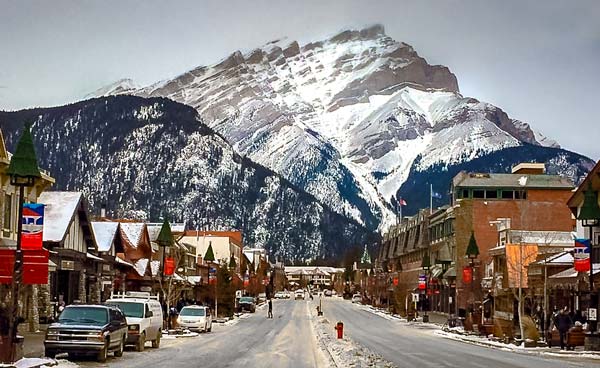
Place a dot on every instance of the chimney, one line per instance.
(103, 210)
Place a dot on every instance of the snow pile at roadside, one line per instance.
(345, 352)
(41, 363)
(545, 351)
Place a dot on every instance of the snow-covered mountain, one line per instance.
(348, 118)
(147, 157)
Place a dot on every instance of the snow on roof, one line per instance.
(133, 231)
(571, 272)
(140, 266)
(58, 213)
(560, 258)
(104, 232)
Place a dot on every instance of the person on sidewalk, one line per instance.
(563, 323)
(270, 309)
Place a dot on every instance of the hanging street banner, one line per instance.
(581, 255)
(33, 226)
(169, 266)
(467, 275)
(35, 266)
(422, 282)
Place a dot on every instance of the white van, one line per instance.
(195, 318)
(144, 317)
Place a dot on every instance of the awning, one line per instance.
(195, 279)
(572, 273)
(436, 271)
(450, 273)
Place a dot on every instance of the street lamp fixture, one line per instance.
(23, 171)
(589, 215)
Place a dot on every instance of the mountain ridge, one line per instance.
(147, 157)
(346, 117)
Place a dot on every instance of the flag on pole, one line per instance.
(401, 201)
(436, 195)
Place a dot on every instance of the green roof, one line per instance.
(472, 248)
(24, 161)
(210, 255)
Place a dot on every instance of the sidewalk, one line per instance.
(437, 320)
(33, 345)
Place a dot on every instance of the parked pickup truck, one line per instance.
(87, 330)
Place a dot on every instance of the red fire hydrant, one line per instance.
(339, 327)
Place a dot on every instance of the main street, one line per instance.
(409, 345)
(287, 340)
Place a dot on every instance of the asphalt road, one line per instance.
(411, 346)
(287, 340)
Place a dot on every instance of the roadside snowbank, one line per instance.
(344, 352)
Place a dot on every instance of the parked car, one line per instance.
(195, 318)
(246, 303)
(87, 330)
(288, 295)
(262, 297)
(299, 294)
(279, 295)
(328, 293)
(144, 317)
(356, 298)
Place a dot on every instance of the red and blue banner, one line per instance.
(33, 226)
(581, 255)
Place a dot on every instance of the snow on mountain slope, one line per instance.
(346, 117)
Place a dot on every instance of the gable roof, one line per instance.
(59, 211)
(234, 236)
(3, 152)
(577, 198)
(133, 232)
(105, 233)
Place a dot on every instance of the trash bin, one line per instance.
(426, 318)
(340, 330)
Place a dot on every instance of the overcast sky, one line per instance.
(537, 60)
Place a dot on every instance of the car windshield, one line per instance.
(246, 299)
(84, 315)
(193, 312)
(129, 309)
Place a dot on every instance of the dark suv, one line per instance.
(87, 330)
(246, 303)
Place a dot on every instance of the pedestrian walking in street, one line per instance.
(563, 323)
(270, 309)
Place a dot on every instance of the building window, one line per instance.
(491, 194)
(6, 226)
(507, 194)
(478, 193)
(520, 194)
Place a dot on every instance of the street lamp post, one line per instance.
(426, 265)
(589, 215)
(23, 171)
(472, 252)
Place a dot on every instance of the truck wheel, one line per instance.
(141, 342)
(103, 353)
(209, 327)
(119, 351)
(156, 342)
